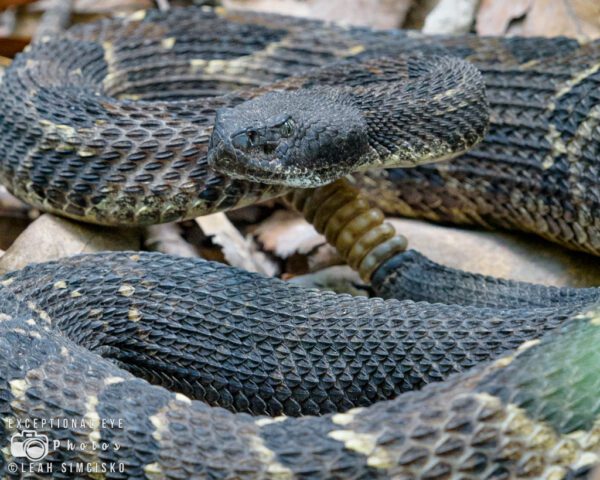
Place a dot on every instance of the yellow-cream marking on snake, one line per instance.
(113, 380)
(347, 417)
(161, 428)
(558, 147)
(76, 293)
(268, 457)
(507, 360)
(168, 43)
(589, 440)
(4, 317)
(18, 388)
(592, 315)
(183, 398)
(66, 135)
(137, 16)
(560, 451)
(365, 444)
(575, 80)
(61, 284)
(261, 422)
(43, 314)
(7, 282)
(92, 418)
(109, 58)
(92, 421)
(354, 50)
(126, 290)
(134, 315)
(553, 136)
(154, 471)
(224, 70)
(358, 442)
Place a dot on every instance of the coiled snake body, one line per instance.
(114, 124)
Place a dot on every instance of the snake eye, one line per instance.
(287, 128)
(252, 136)
(245, 139)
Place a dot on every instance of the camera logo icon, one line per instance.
(29, 444)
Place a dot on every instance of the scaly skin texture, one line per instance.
(537, 169)
(81, 138)
(258, 345)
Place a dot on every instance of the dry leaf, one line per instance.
(51, 238)
(324, 256)
(574, 18)
(286, 233)
(374, 13)
(9, 47)
(110, 6)
(166, 238)
(238, 251)
(494, 16)
(340, 279)
(451, 16)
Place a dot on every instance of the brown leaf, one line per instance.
(14, 3)
(574, 18)
(9, 47)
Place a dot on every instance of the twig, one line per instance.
(8, 21)
(163, 5)
(54, 20)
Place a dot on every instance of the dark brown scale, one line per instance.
(254, 344)
(536, 169)
(257, 345)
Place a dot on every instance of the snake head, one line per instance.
(303, 138)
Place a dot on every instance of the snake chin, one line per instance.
(303, 139)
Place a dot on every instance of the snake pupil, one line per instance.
(252, 137)
(287, 128)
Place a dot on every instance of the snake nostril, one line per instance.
(268, 148)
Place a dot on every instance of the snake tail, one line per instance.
(350, 223)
